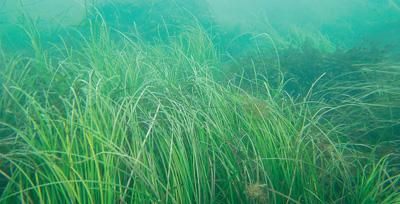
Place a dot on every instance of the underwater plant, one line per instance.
(108, 116)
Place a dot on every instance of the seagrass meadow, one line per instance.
(181, 101)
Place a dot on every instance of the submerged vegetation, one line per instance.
(110, 114)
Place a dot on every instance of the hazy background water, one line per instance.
(341, 21)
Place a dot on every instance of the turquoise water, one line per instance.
(250, 86)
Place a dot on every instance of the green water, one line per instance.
(199, 101)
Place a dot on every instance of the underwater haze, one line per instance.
(200, 101)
